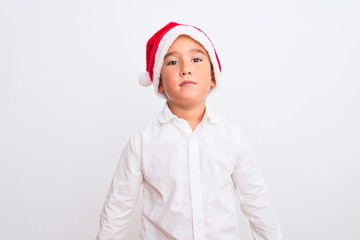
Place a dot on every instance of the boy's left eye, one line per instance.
(197, 59)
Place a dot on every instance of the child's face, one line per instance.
(186, 74)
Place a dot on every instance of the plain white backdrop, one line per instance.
(70, 99)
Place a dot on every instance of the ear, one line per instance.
(213, 81)
(160, 87)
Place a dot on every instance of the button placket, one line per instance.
(195, 188)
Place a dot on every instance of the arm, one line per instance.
(255, 201)
(123, 193)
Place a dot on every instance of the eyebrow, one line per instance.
(195, 50)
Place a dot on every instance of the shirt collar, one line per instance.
(166, 115)
(211, 116)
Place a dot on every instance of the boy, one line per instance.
(192, 164)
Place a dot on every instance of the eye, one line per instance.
(170, 63)
(197, 59)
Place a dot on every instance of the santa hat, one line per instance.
(158, 45)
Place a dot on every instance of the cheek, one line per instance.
(206, 69)
(167, 74)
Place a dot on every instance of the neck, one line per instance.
(192, 114)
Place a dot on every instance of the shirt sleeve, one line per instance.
(255, 201)
(123, 193)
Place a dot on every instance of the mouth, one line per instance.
(187, 83)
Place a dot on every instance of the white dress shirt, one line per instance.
(191, 181)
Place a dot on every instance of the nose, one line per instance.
(183, 73)
(185, 70)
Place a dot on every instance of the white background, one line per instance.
(70, 99)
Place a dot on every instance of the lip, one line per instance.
(187, 83)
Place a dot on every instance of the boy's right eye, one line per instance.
(172, 62)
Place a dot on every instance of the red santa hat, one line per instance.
(158, 45)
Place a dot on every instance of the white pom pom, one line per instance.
(145, 80)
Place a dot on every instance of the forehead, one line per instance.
(185, 41)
